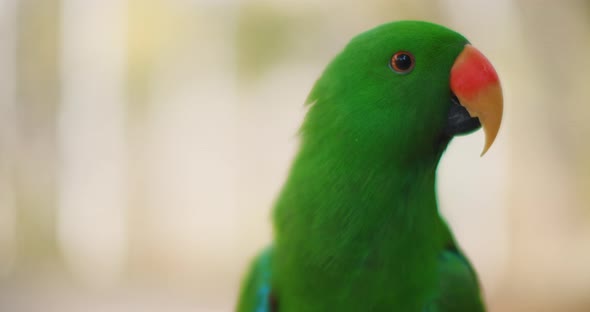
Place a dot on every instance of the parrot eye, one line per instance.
(402, 62)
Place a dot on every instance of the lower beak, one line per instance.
(459, 121)
(476, 85)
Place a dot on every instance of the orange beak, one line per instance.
(475, 83)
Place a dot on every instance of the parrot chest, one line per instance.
(382, 276)
(360, 242)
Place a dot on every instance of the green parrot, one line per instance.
(356, 225)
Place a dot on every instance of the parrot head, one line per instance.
(405, 86)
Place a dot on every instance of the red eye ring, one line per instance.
(402, 62)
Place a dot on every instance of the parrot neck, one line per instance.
(360, 194)
(374, 217)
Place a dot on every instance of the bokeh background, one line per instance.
(142, 144)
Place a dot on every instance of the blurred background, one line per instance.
(142, 144)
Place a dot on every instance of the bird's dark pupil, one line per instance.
(403, 61)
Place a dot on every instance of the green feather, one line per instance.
(356, 225)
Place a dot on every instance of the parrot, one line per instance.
(356, 225)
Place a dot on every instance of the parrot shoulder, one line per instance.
(256, 293)
(458, 285)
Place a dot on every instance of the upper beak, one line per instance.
(475, 83)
